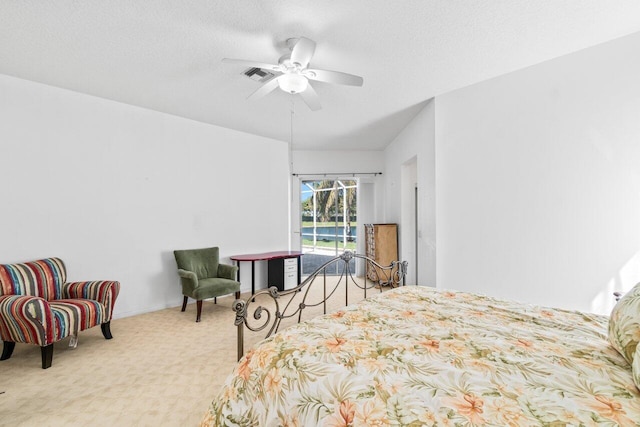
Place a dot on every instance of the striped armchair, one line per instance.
(37, 306)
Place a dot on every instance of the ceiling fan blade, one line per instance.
(333, 77)
(303, 51)
(264, 89)
(253, 64)
(310, 97)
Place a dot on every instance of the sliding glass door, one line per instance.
(329, 220)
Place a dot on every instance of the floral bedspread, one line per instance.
(416, 356)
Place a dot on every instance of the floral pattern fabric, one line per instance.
(624, 324)
(635, 367)
(416, 356)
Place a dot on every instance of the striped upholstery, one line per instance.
(75, 315)
(38, 307)
(100, 290)
(43, 278)
(26, 319)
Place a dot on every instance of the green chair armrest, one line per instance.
(186, 274)
(189, 281)
(227, 271)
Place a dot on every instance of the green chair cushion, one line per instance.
(214, 287)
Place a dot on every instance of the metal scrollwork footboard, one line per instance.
(282, 304)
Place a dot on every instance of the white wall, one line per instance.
(329, 161)
(538, 181)
(414, 148)
(114, 189)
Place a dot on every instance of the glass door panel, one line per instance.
(329, 215)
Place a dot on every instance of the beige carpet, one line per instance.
(160, 369)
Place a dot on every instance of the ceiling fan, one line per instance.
(293, 73)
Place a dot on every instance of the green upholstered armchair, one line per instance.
(203, 276)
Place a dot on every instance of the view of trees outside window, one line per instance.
(329, 216)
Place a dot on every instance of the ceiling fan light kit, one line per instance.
(293, 74)
(293, 83)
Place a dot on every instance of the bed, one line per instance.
(416, 356)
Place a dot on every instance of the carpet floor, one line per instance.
(160, 368)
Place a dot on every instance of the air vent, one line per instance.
(258, 74)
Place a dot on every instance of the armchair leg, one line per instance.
(238, 295)
(199, 306)
(47, 356)
(7, 350)
(184, 303)
(106, 330)
(215, 300)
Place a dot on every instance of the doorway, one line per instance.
(410, 214)
(328, 220)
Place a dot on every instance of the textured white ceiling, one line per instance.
(165, 55)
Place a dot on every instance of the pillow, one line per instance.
(635, 367)
(624, 324)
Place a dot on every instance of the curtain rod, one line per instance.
(337, 174)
